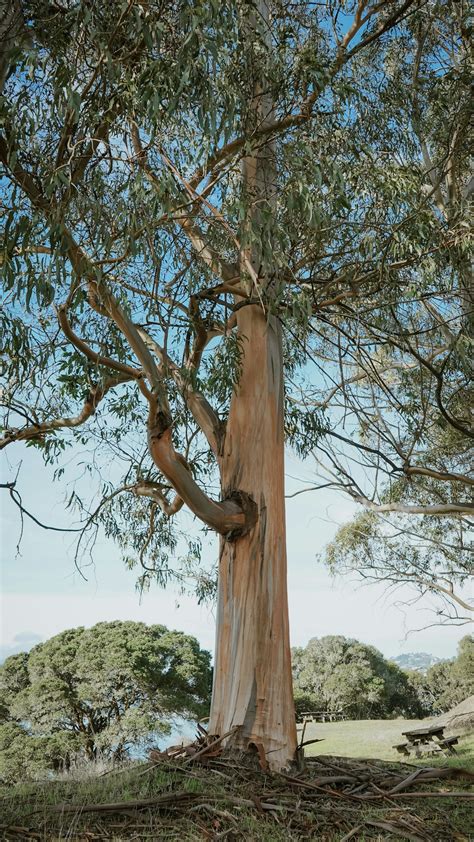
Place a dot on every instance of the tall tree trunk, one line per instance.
(12, 33)
(252, 677)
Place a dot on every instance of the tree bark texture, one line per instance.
(252, 677)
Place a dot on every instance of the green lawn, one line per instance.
(374, 738)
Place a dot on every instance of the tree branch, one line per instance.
(202, 411)
(37, 431)
(206, 253)
(133, 373)
(146, 488)
(16, 497)
(443, 476)
(435, 509)
(100, 297)
(435, 586)
(227, 517)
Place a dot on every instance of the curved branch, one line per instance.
(16, 497)
(441, 475)
(202, 411)
(146, 488)
(37, 431)
(229, 517)
(434, 586)
(135, 373)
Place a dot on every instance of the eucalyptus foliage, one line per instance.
(431, 555)
(123, 130)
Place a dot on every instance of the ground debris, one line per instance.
(213, 794)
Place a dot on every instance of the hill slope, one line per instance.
(419, 661)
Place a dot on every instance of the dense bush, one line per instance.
(447, 683)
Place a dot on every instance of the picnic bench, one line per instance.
(321, 716)
(429, 740)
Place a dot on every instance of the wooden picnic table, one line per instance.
(322, 715)
(427, 740)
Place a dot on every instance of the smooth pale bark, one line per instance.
(252, 676)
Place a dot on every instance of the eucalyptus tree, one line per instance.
(405, 386)
(210, 211)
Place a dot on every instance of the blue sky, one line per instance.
(42, 592)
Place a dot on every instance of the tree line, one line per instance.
(114, 690)
(335, 673)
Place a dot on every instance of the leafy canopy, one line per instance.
(125, 231)
(448, 683)
(103, 689)
(335, 673)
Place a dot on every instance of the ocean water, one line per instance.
(183, 729)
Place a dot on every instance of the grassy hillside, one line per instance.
(364, 738)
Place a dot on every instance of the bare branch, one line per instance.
(435, 509)
(435, 586)
(146, 488)
(415, 470)
(16, 497)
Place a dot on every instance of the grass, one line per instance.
(375, 738)
(25, 810)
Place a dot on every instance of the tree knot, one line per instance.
(249, 509)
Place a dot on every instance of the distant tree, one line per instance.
(450, 682)
(26, 756)
(463, 666)
(335, 672)
(105, 688)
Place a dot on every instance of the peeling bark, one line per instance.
(252, 677)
